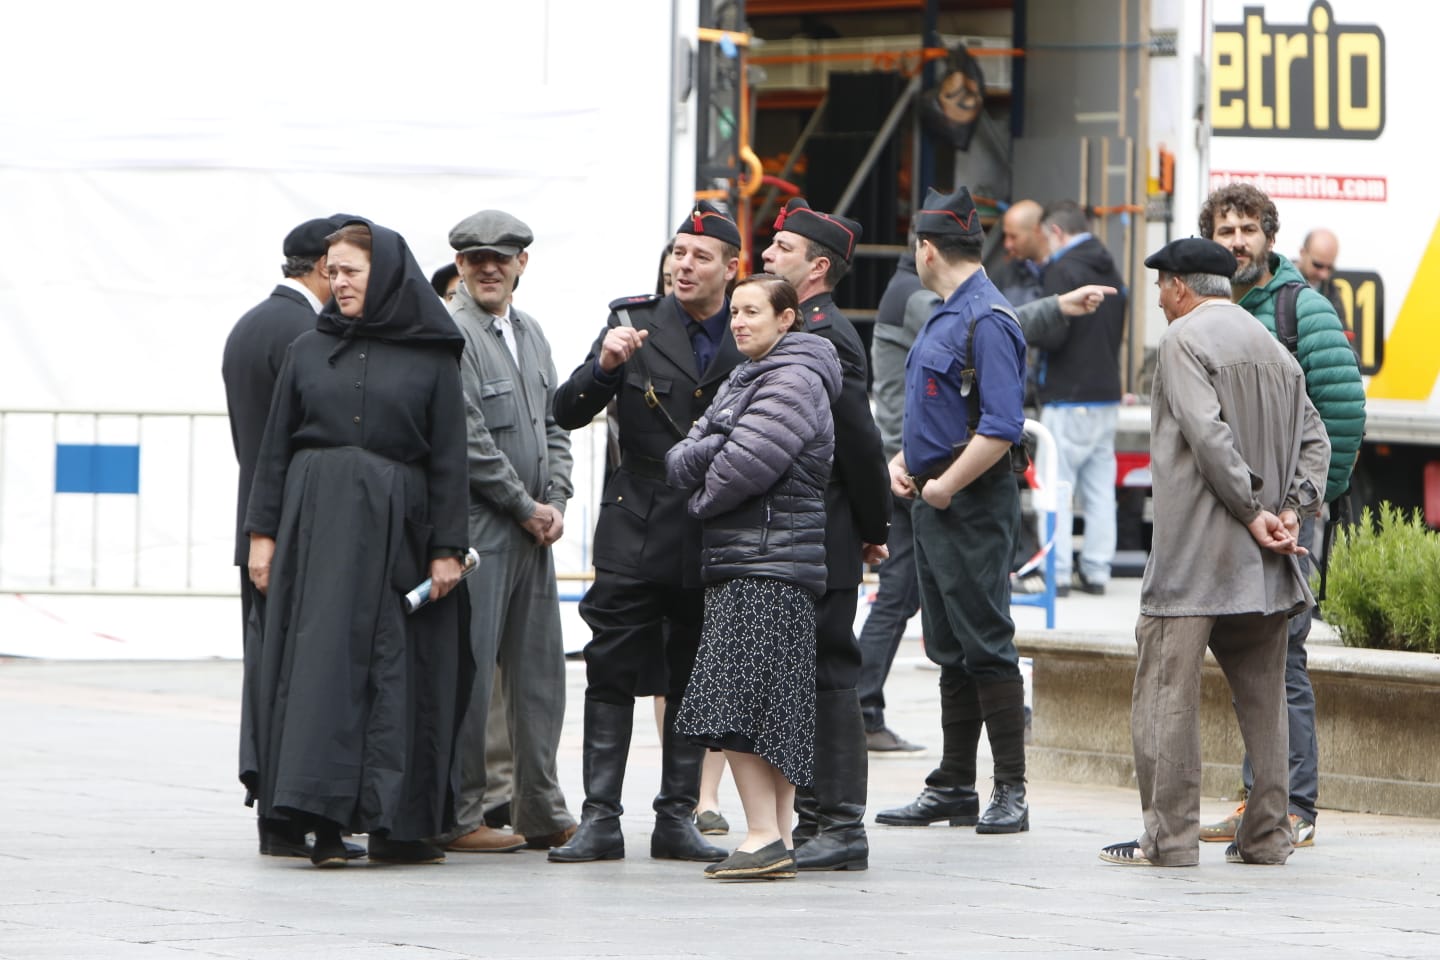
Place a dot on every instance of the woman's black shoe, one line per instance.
(384, 850)
(329, 849)
(773, 861)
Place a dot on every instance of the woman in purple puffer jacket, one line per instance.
(758, 462)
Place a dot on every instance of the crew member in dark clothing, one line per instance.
(254, 353)
(964, 386)
(1079, 392)
(360, 490)
(662, 358)
(812, 250)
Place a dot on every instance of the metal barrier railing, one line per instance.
(173, 535)
(168, 528)
(75, 518)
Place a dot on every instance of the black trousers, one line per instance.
(627, 618)
(962, 559)
(837, 652)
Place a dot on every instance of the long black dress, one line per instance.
(353, 706)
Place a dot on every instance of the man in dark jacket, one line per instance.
(1078, 386)
(812, 250)
(661, 359)
(254, 352)
(1244, 219)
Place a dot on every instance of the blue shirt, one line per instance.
(705, 338)
(936, 412)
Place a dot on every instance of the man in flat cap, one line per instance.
(1238, 457)
(519, 484)
(253, 355)
(964, 388)
(813, 251)
(1242, 218)
(662, 359)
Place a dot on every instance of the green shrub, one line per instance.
(1383, 586)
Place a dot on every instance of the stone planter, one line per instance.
(1378, 715)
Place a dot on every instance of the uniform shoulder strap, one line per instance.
(636, 303)
(1286, 328)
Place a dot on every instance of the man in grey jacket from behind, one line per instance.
(519, 466)
(1238, 457)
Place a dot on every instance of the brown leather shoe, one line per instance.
(557, 839)
(485, 839)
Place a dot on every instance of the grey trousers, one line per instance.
(1165, 727)
(499, 759)
(515, 620)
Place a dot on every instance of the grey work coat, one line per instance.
(1232, 432)
(517, 454)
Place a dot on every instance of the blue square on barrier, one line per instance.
(97, 468)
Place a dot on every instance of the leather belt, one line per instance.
(920, 479)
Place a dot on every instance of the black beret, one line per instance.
(707, 220)
(491, 230)
(1193, 255)
(948, 216)
(836, 232)
(308, 239)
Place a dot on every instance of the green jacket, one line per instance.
(1332, 376)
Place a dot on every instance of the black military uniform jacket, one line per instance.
(644, 530)
(857, 501)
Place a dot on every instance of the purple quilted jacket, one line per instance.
(758, 461)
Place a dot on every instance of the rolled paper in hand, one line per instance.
(420, 596)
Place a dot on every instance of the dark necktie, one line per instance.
(700, 343)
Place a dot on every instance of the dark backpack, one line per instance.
(1287, 330)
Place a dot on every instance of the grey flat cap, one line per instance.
(491, 230)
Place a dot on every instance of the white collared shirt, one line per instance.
(310, 298)
(506, 328)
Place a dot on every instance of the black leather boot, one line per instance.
(1003, 705)
(807, 817)
(842, 769)
(959, 805)
(675, 836)
(949, 792)
(605, 751)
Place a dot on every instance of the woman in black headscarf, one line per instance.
(360, 493)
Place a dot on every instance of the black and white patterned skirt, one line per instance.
(753, 688)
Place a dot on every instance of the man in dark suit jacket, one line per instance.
(661, 359)
(812, 250)
(253, 355)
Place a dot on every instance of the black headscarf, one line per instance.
(400, 305)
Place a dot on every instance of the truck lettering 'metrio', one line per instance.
(1322, 79)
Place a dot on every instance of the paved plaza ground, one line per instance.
(124, 837)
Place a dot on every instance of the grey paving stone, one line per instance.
(126, 838)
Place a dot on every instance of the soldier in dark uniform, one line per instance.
(662, 359)
(812, 250)
(964, 386)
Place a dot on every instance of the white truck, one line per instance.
(1325, 105)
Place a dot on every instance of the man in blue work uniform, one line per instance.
(964, 387)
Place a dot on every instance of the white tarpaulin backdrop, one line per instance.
(153, 155)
